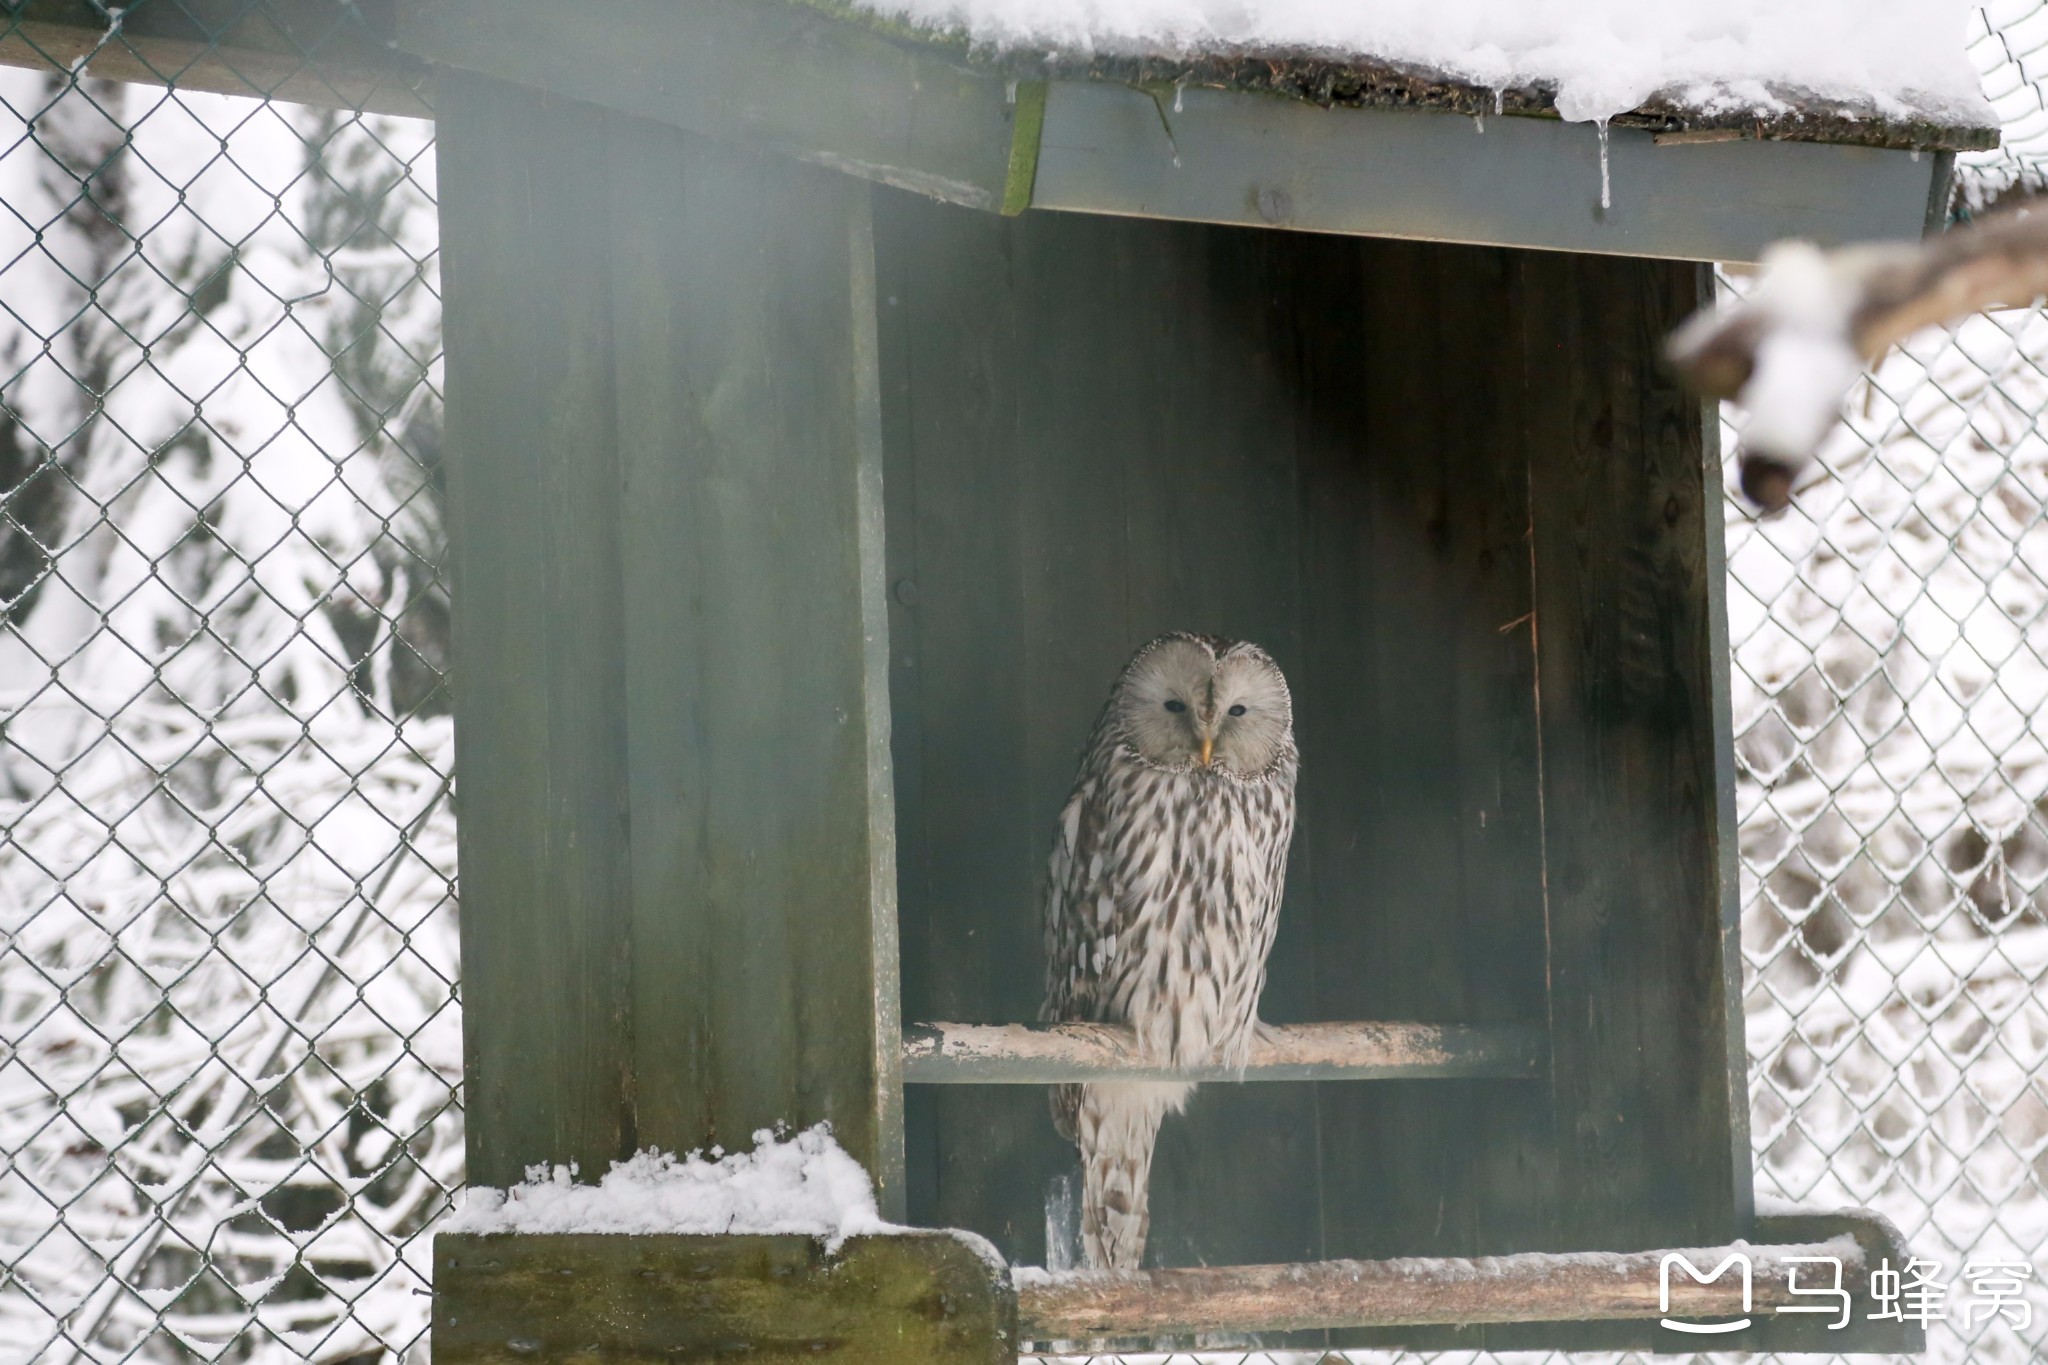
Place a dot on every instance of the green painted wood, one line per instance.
(679, 922)
(512, 1298)
(538, 634)
(1649, 1065)
(1027, 129)
(902, 114)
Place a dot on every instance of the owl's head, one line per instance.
(1194, 701)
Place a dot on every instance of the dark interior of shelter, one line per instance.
(1452, 491)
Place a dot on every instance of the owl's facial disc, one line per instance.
(1182, 706)
(1253, 713)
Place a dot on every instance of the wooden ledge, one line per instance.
(306, 51)
(1051, 1054)
(946, 1298)
(1534, 1287)
(940, 1298)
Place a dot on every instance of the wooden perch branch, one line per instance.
(1051, 1054)
(1524, 1288)
(1789, 351)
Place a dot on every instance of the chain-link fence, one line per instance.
(1890, 676)
(228, 977)
(229, 1041)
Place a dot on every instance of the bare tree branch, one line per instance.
(1789, 352)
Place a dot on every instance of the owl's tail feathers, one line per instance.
(1115, 1125)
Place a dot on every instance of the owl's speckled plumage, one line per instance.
(1162, 897)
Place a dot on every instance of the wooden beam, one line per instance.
(777, 76)
(1052, 1054)
(518, 1298)
(1221, 156)
(319, 52)
(1535, 1287)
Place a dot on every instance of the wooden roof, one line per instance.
(1358, 82)
(1353, 145)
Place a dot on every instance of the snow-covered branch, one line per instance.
(1789, 351)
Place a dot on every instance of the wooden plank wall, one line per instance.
(1419, 475)
(672, 726)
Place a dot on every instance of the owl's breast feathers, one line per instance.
(1163, 894)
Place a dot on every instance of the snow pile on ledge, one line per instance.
(807, 1184)
(1904, 58)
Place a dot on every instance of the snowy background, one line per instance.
(229, 1030)
(229, 1037)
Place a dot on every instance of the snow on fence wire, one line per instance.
(229, 1035)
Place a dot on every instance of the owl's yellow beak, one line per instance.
(1208, 745)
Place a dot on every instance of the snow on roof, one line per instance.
(1898, 59)
(807, 1184)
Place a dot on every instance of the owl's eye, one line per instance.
(1176, 705)
(1237, 710)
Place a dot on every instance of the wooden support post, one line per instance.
(1641, 903)
(678, 919)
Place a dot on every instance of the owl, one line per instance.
(1162, 897)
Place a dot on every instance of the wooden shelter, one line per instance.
(810, 482)
(810, 479)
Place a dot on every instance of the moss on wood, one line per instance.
(519, 1298)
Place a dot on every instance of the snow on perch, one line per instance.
(806, 1184)
(1903, 58)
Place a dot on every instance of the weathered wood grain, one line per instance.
(679, 904)
(320, 52)
(1647, 1056)
(1431, 868)
(952, 481)
(1045, 1054)
(904, 114)
(538, 635)
(1533, 1287)
(508, 1299)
